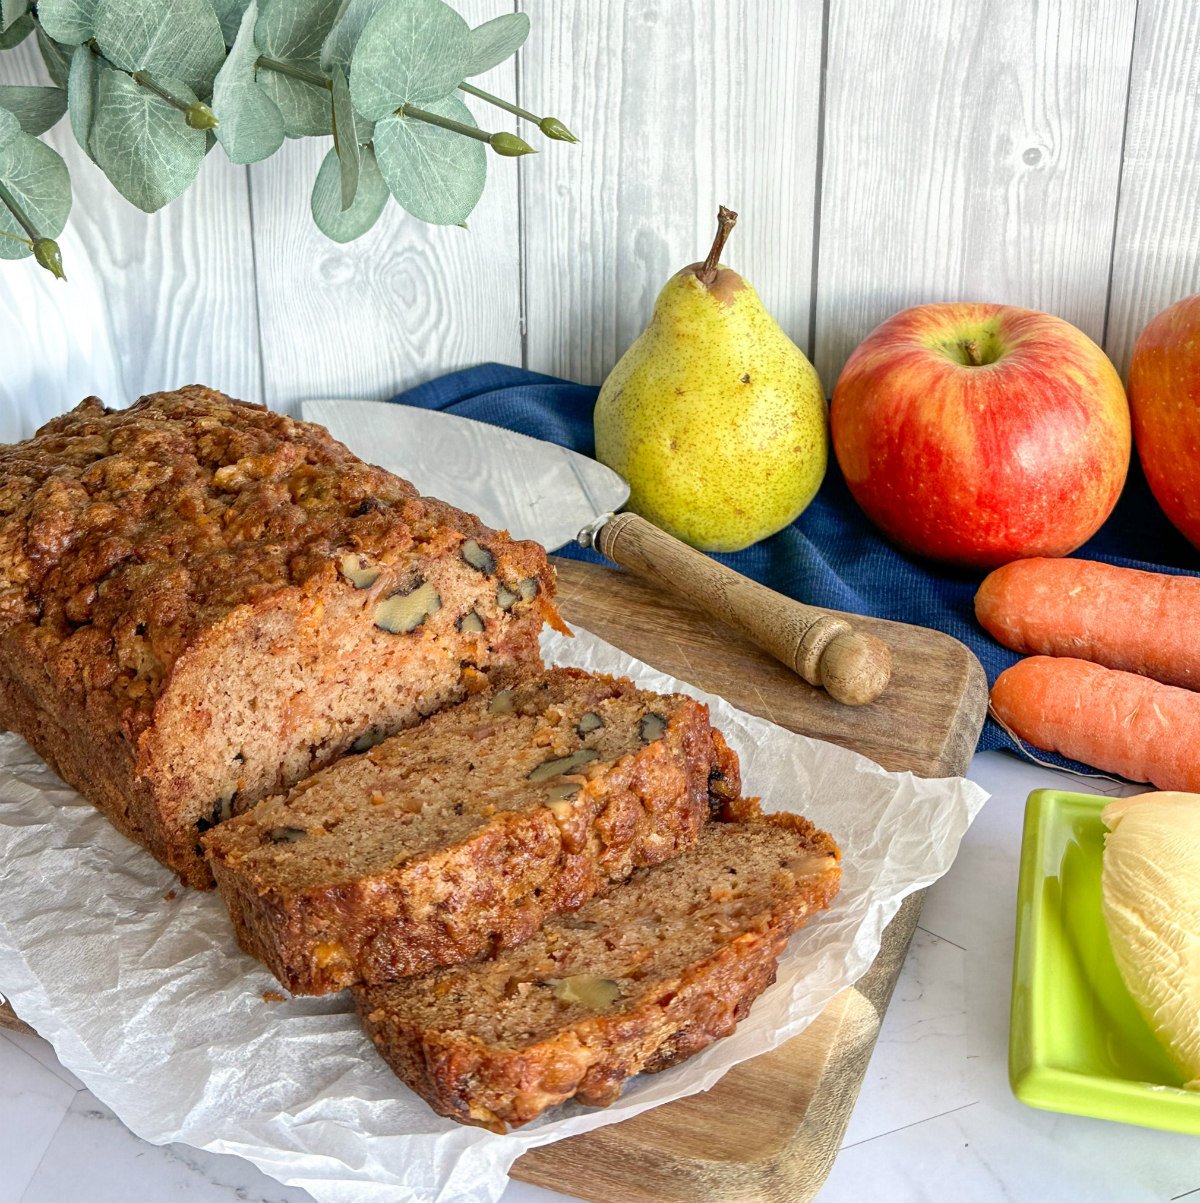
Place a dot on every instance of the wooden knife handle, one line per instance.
(823, 648)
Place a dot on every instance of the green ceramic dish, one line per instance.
(1077, 1042)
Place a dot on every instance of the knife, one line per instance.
(541, 491)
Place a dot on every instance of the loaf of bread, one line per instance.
(460, 836)
(201, 602)
(633, 982)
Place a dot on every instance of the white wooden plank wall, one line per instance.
(1039, 152)
(151, 301)
(969, 158)
(1156, 255)
(406, 301)
(681, 105)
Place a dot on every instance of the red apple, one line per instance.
(978, 434)
(1164, 397)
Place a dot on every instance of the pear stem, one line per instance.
(726, 220)
(970, 349)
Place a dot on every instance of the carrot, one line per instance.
(1118, 721)
(1142, 622)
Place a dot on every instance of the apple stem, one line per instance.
(971, 350)
(726, 220)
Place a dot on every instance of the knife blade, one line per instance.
(531, 488)
(538, 490)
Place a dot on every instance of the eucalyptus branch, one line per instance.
(550, 126)
(14, 207)
(197, 114)
(176, 61)
(45, 250)
(278, 65)
(459, 127)
(502, 142)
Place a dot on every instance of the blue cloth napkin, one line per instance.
(831, 555)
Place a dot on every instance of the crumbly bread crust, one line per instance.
(189, 591)
(460, 836)
(633, 982)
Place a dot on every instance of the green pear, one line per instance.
(714, 416)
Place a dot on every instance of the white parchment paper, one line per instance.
(149, 1001)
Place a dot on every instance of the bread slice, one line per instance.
(460, 836)
(202, 602)
(633, 982)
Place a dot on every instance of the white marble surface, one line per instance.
(935, 1122)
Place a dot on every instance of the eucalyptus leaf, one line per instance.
(251, 125)
(70, 22)
(81, 94)
(10, 127)
(293, 30)
(434, 173)
(37, 109)
(182, 40)
(495, 40)
(350, 134)
(11, 11)
(149, 153)
(15, 34)
(306, 108)
(345, 224)
(410, 52)
(230, 13)
(57, 59)
(132, 76)
(36, 178)
(348, 25)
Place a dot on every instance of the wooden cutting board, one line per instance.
(770, 1128)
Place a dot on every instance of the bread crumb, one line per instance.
(273, 996)
(170, 895)
(473, 680)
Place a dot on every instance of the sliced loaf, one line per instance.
(633, 982)
(459, 837)
(202, 602)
